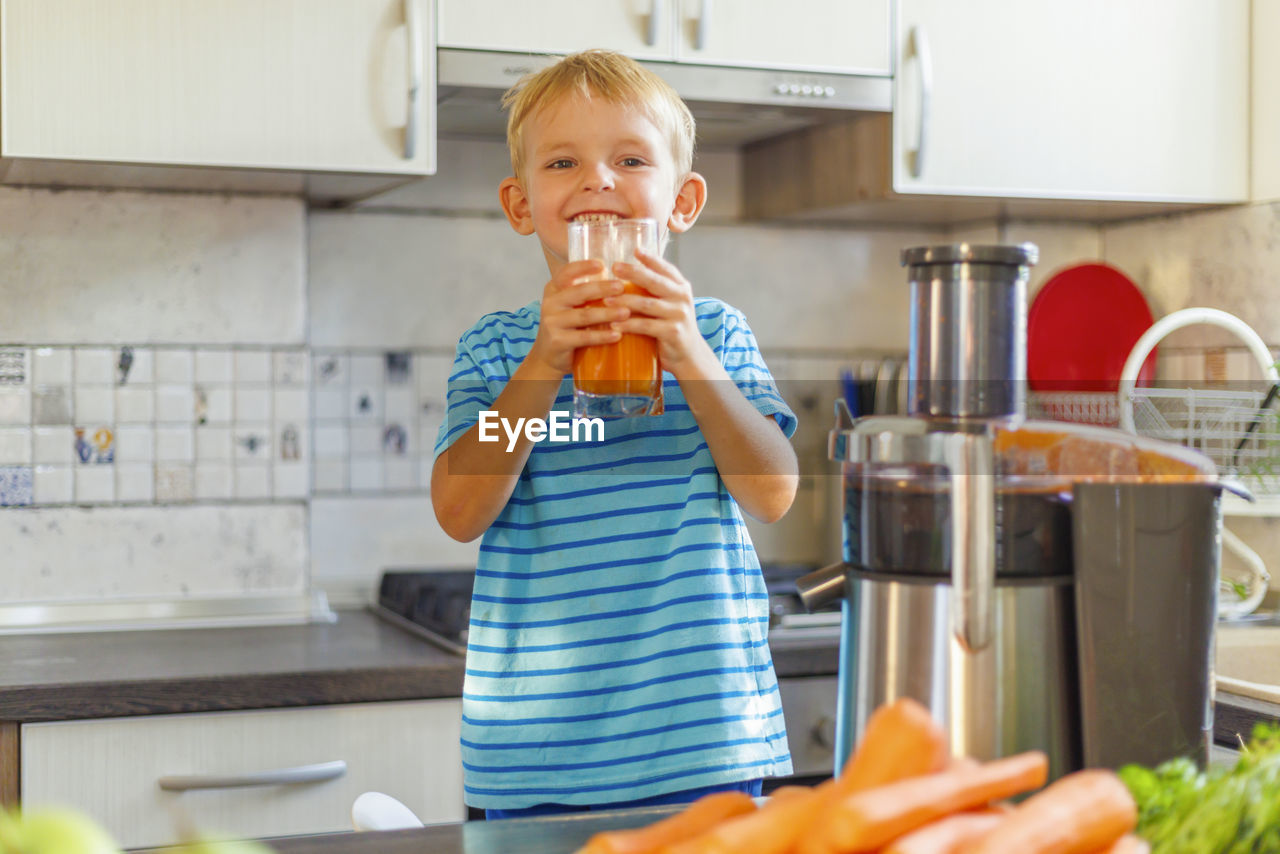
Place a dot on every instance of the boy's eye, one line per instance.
(632, 161)
(562, 163)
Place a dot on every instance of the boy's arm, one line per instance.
(754, 457)
(472, 480)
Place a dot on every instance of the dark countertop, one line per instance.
(51, 677)
(360, 658)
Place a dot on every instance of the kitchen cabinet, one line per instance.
(848, 36)
(1265, 29)
(114, 768)
(292, 86)
(1110, 101)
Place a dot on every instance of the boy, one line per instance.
(617, 650)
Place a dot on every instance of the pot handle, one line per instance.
(973, 541)
(822, 586)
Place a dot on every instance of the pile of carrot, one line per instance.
(901, 793)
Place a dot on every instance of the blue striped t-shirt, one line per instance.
(617, 647)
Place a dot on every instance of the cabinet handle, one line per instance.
(704, 21)
(274, 777)
(655, 22)
(919, 45)
(414, 35)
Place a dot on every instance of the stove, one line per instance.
(435, 605)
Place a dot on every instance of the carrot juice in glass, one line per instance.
(623, 378)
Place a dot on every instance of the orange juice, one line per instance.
(626, 367)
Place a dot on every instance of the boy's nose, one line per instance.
(599, 177)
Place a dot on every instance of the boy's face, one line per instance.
(586, 156)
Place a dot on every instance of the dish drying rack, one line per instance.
(1238, 429)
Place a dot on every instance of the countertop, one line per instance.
(360, 658)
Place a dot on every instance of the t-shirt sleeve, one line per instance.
(740, 355)
(468, 393)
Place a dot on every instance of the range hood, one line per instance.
(733, 106)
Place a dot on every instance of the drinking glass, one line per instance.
(621, 379)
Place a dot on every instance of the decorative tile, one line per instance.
(135, 443)
(136, 366)
(14, 369)
(252, 482)
(175, 404)
(213, 481)
(94, 366)
(398, 366)
(175, 483)
(331, 475)
(291, 439)
(253, 366)
(95, 404)
(15, 446)
(54, 446)
(290, 480)
(135, 484)
(95, 485)
(135, 405)
(174, 445)
(16, 486)
(15, 406)
(175, 367)
(252, 404)
(54, 485)
(291, 367)
(51, 366)
(213, 366)
(52, 405)
(330, 369)
(366, 474)
(289, 404)
(365, 403)
(95, 446)
(213, 444)
(252, 442)
(331, 441)
(396, 440)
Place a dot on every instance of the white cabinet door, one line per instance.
(850, 36)
(638, 28)
(111, 768)
(1095, 99)
(314, 85)
(1266, 101)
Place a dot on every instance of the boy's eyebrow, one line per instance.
(559, 145)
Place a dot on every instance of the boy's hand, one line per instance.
(667, 313)
(565, 320)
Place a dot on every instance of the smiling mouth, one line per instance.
(596, 216)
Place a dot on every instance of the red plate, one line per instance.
(1081, 327)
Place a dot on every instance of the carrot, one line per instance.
(1077, 814)
(772, 829)
(1127, 844)
(901, 740)
(699, 816)
(947, 835)
(865, 821)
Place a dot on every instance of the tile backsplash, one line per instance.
(208, 394)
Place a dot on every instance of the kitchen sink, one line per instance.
(1248, 661)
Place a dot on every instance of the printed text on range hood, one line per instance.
(733, 106)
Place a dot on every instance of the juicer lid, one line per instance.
(959, 253)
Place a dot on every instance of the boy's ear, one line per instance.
(691, 198)
(515, 204)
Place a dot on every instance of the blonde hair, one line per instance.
(617, 79)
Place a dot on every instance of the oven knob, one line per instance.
(823, 733)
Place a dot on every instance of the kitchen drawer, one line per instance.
(111, 768)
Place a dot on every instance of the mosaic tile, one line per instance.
(16, 486)
(51, 366)
(51, 405)
(95, 446)
(14, 370)
(175, 483)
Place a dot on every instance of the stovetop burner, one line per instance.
(433, 604)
